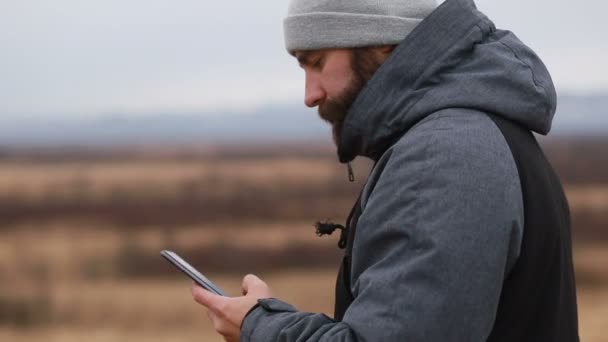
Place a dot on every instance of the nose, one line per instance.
(315, 94)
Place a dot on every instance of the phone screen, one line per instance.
(192, 272)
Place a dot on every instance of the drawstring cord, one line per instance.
(351, 174)
(328, 227)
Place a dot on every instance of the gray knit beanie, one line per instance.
(322, 24)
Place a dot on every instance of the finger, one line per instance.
(205, 297)
(220, 324)
(248, 282)
(254, 286)
(216, 321)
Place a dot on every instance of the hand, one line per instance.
(227, 313)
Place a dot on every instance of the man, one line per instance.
(461, 232)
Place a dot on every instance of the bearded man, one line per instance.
(461, 232)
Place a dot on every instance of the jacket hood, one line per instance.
(455, 58)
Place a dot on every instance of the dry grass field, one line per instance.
(81, 233)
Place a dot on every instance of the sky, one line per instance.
(98, 57)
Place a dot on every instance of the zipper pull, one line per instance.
(351, 175)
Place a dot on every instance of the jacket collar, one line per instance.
(381, 112)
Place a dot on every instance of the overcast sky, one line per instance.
(89, 58)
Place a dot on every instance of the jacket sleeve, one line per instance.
(440, 228)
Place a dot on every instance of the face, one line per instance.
(334, 78)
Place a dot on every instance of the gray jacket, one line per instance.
(442, 211)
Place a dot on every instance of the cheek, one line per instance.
(337, 81)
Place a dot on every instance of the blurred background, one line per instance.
(127, 127)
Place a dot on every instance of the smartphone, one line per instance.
(191, 272)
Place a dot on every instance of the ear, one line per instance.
(382, 52)
(386, 49)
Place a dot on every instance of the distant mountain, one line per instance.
(581, 115)
(267, 124)
(576, 115)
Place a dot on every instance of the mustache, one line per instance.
(334, 111)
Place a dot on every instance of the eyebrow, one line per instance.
(303, 57)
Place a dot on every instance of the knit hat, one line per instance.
(322, 24)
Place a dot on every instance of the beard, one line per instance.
(364, 64)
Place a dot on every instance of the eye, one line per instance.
(317, 63)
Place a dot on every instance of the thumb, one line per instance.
(204, 297)
(252, 285)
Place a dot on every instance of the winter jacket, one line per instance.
(441, 250)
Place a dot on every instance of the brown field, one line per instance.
(81, 232)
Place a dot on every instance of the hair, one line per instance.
(366, 60)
